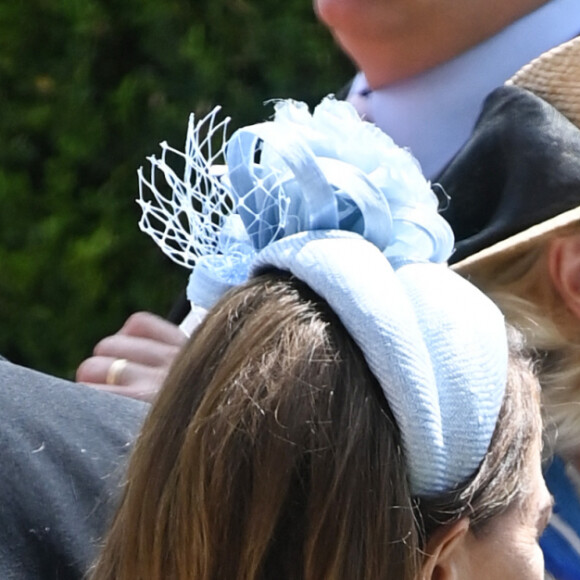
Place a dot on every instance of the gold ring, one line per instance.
(115, 370)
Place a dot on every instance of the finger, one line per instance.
(144, 351)
(96, 369)
(148, 325)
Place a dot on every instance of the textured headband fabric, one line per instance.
(435, 344)
(334, 201)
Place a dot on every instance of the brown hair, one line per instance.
(272, 453)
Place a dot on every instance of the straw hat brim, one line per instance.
(519, 243)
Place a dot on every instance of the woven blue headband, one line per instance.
(333, 200)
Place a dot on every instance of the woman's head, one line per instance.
(350, 407)
(272, 453)
(538, 292)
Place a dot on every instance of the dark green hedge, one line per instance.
(88, 88)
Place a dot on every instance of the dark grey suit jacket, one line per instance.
(62, 452)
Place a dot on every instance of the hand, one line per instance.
(147, 344)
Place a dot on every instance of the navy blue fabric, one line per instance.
(561, 557)
(519, 168)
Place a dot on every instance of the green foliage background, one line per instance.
(88, 88)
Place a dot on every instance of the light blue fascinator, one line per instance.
(334, 201)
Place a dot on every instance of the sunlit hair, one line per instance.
(522, 288)
(271, 453)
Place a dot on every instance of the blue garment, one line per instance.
(561, 540)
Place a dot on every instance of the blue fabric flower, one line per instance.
(331, 170)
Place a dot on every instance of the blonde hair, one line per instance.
(272, 453)
(523, 290)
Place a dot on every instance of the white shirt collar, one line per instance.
(433, 113)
